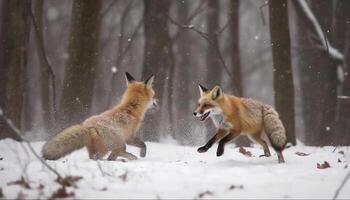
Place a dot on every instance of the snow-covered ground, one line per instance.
(173, 171)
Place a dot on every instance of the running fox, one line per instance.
(234, 116)
(109, 131)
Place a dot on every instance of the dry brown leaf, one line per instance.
(341, 152)
(323, 165)
(61, 193)
(124, 177)
(203, 194)
(232, 187)
(22, 182)
(68, 181)
(346, 166)
(302, 154)
(243, 151)
(339, 161)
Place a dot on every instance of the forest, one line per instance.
(64, 61)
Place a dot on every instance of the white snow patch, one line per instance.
(172, 171)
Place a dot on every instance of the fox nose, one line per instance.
(195, 113)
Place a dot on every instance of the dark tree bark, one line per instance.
(283, 76)
(80, 69)
(183, 73)
(46, 87)
(318, 79)
(213, 63)
(236, 63)
(342, 42)
(158, 59)
(15, 32)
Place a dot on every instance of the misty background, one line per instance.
(63, 61)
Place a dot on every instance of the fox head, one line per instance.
(139, 92)
(208, 103)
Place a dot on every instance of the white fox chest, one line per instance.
(220, 122)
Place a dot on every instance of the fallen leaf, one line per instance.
(232, 187)
(41, 187)
(323, 165)
(22, 182)
(341, 152)
(245, 152)
(61, 193)
(68, 181)
(202, 194)
(302, 154)
(1, 158)
(124, 177)
(339, 161)
(103, 189)
(346, 166)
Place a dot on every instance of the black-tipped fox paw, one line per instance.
(219, 152)
(143, 153)
(202, 149)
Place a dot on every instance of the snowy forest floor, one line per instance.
(173, 171)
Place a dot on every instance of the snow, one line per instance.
(173, 171)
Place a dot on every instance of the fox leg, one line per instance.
(223, 141)
(139, 143)
(116, 151)
(94, 145)
(257, 139)
(220, 133)
(121, 151)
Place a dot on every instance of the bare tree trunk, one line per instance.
(158, 59)
(236, 63)
(318, 78)
(283, 76)
(46, 101)
(15, 32)
(342, 33)
(183, 73)
(81, 66)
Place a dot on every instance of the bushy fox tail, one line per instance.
(65, 142)
(274, 128)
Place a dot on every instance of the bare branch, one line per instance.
(207, 38)
(341, 185)
(303, 9)
(41, 47)
(19, 134)
(190, 18)
(109, 7)
(262, 12)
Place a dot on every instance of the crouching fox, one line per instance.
(109, 131)
(234, 116)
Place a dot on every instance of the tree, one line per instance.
(158, 58)
(79, 74)
(317, 62)
(46, 74)
(234, 34)
(283, 76)
(15, 32)
(342, 33)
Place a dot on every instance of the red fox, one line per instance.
(234, 116)
(109, 131)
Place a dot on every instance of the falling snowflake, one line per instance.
(328, 128)
(114, 69)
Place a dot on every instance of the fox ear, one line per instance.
(149, 81)
(216, 92)
(202, 89)
(129, 78)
